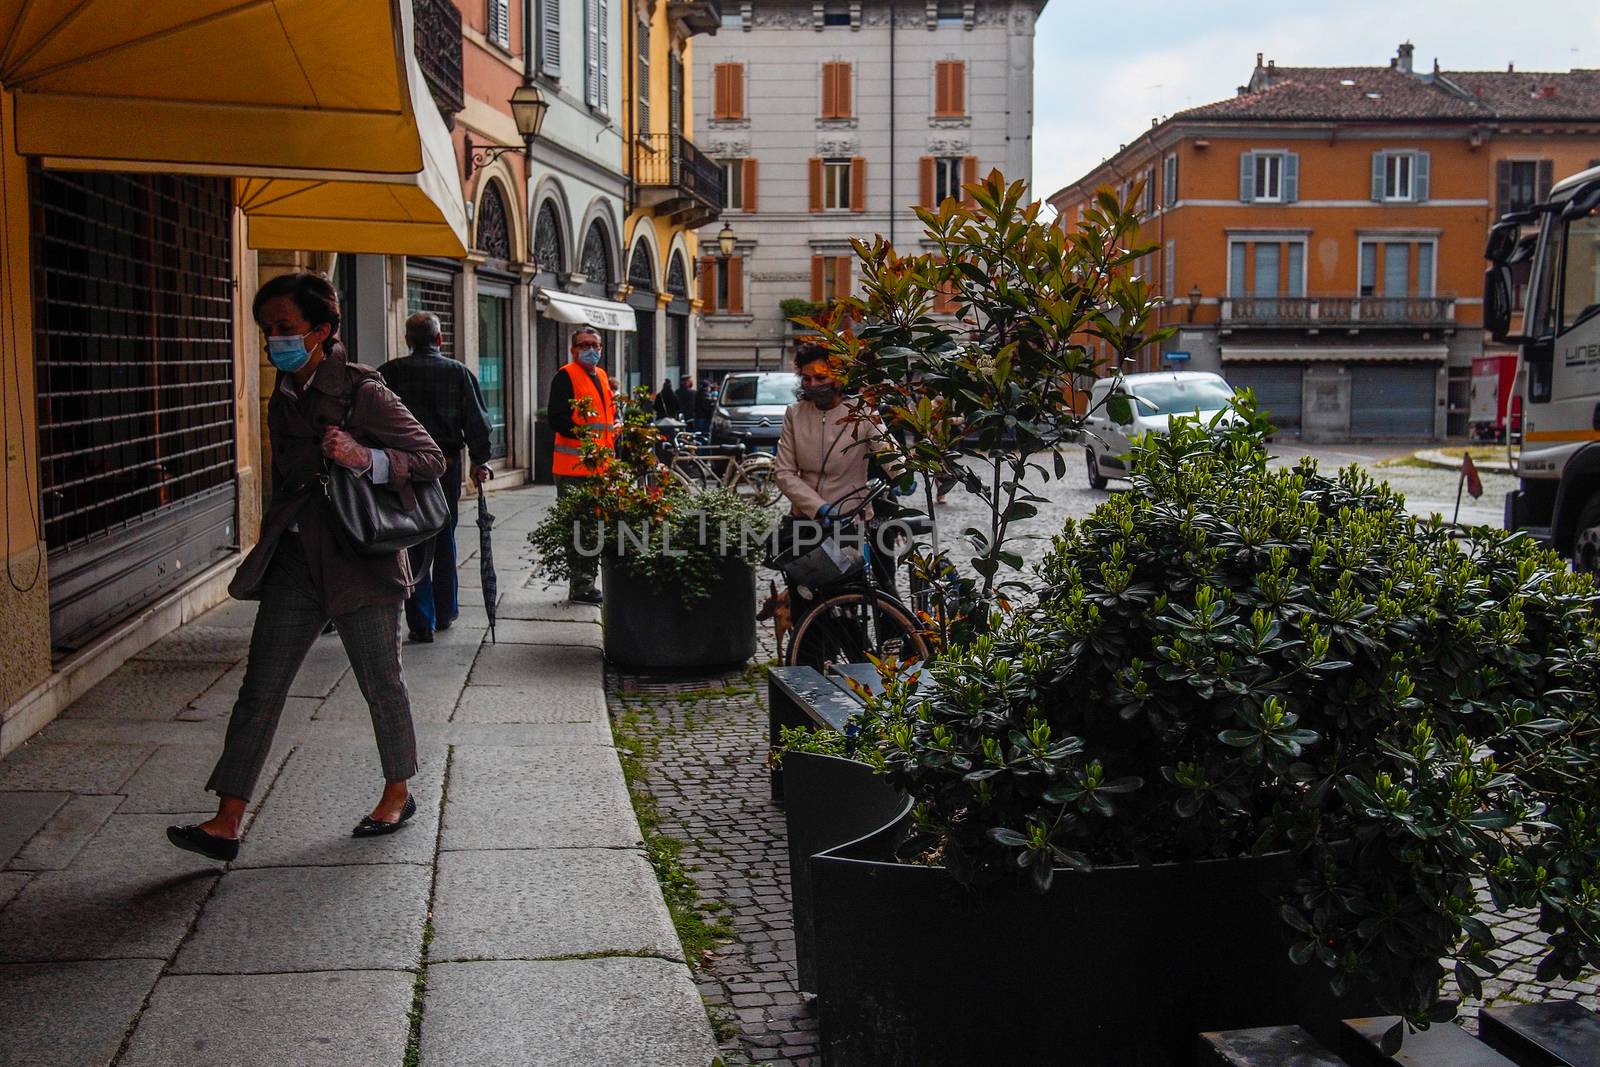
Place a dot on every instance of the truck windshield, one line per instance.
(762, 390)
(1580, 288)
(1183, 395)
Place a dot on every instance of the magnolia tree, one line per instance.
(1001, 393)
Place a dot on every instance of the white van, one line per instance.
(1154, 400)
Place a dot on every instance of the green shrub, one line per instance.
(1233, 659)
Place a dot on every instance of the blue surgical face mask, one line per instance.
(288, 354)
(589, 357)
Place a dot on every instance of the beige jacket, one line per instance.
(822, 456)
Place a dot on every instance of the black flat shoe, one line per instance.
(421, 637)
(212, 847)
(370, 827)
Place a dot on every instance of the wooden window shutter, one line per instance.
(1291, 177)
(1545, 176)
(841, 92)
(841, 277)
(816, 279)
(1247, 177)
(1502, 182)
(1380, 164)
(958, 88)
(829, 104)
(708, 285)
(719, 91)
(858, 184)
(735, 285)
(925, 167)
(750, 185)
(950, 88)
(550, 37)
(1420, 176)
(969, 176)
(736, 91)
(814, 174)
(941, 88)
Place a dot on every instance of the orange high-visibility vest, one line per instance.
(565, 463)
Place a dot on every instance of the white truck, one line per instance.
(1558, 466)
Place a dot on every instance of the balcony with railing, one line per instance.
(676, 179)
(1344, 312)
(696, 16)
(438, 49)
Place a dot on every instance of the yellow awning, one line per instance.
(271, 85)
(421, 214)
(318, 109)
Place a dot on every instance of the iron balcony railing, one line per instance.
(671, 161)
(1349, 311)
(438, 48)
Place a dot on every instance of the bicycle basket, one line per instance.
(795, 552)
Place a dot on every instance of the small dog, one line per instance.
(776, 608)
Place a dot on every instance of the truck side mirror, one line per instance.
(1497, 301)
(1502, 242)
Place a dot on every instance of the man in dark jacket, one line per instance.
(445, 397)
(689, 402)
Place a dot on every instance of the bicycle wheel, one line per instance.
(755, 481)
(844, 627)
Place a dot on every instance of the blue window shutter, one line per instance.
(550, 37)
(1291, 177)
(1297, 268)
(1379, 162)
(1236, 267)
(1247, 176)
(1419, 176)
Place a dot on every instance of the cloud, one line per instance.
(1102, 72)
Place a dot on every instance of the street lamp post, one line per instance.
(528, 107)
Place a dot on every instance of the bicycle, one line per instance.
(700, 466)
(849, 615)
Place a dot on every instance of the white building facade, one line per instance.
(835, 120)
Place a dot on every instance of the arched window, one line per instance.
(547, 246)
(596, 259)
(494, 231)
(677, 277)
(641, 272)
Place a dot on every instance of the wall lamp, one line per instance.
(528, 107)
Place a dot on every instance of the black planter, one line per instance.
(828, 801)
(654, 626)
(1119, 966)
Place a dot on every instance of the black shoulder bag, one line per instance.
(371, 517)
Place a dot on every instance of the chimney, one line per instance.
(1511, 68)
(1272, 66)
(1258, 60)
(1403, 58)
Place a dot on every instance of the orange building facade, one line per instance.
(1319, 237)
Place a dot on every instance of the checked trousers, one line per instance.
(287, 624)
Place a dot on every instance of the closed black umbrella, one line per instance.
(491, 591)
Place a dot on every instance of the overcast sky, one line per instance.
(1104, 70)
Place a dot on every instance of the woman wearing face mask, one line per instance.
(826, 443)
(324, 409)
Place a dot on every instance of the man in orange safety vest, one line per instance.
(581, 378)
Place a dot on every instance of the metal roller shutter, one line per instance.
(1393, 399)
(1277, 389)
(133, 342)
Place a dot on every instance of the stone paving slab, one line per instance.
(279, 919)
(339, 1019)
(569, 1013)
(543, 903)
(146, 689)
(12, 883)
(529, 704)
(174, 777)
(80, 767)
(322, 792)
(434, 676)
(527, 603)
(217, 701)
(128, 895)
(24, 814)
(236, 614)
(201, 642)
(515, 798)
(70, 1013)
(322, 668)
(547, 632)
(539, 667)
(60, 840)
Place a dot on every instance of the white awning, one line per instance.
(587, 311)
(1335, 354)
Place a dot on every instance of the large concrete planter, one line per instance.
(1110, 968)
(828, 801)
(654, 626)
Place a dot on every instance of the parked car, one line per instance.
(750, 408)
(1153, 400)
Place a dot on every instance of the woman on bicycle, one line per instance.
(825, 446)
